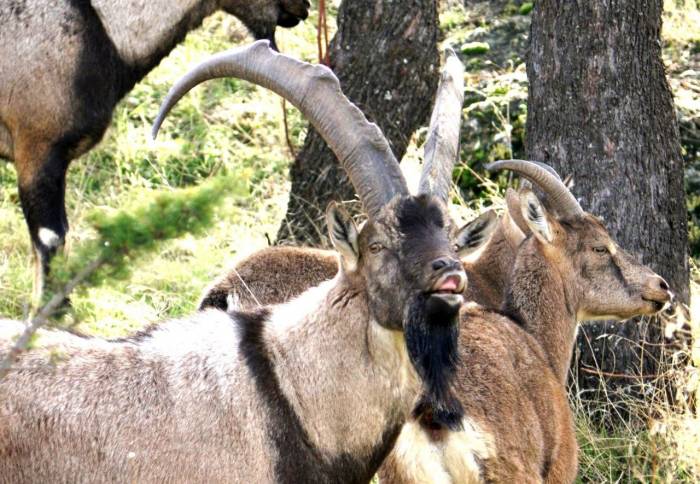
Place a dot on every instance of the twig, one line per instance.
(43, 315)
(619, 375)
(247, 288)
(322, 34)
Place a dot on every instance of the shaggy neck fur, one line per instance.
(540, 298)
(350, 384)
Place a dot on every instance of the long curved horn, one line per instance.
(442, 146)
(525, 183)
(559, 196)
(358, 144)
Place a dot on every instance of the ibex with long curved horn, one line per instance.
(315, 390)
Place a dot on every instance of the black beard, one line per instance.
(431, 331)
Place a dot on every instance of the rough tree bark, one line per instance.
(600, 109)
(385, 55)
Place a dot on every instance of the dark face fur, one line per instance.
(414, 279)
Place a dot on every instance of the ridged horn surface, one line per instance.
(358, 144)
(442, 146)
(557, 194)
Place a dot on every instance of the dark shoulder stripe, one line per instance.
(298, 460)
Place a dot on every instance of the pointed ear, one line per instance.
(343, 233)
(536, 216)
(515, 211)
(476, 233)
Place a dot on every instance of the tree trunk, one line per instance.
(385, 55)
(600, 109)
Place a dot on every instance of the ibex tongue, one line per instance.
(449, 284)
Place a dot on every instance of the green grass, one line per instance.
(225, 127)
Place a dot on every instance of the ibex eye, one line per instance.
(375, 247)
(600, 250)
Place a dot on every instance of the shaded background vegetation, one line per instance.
(229, 130)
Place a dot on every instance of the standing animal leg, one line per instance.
(41, 173)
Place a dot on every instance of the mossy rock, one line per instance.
(475, 48)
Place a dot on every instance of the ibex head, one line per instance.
(608, 282)
(404, 258)
(262, 16)
(401, 255)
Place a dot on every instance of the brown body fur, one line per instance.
(271, 276)
(511, 395)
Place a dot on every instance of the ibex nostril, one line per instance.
(663, 285)
(439, 264)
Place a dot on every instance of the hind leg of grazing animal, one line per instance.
(41, 173)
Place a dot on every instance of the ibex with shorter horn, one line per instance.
(65, 64)
(512, 375)
(315, 390)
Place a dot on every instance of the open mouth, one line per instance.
(657, 305)
(450, 283)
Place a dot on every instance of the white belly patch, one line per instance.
(454, 459)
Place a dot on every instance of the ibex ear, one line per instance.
(535, 216)
(515, 213)
(343, 233)
(476, 233)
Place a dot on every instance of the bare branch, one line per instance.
(43, 315)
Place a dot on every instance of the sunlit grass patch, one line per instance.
(225, 127)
